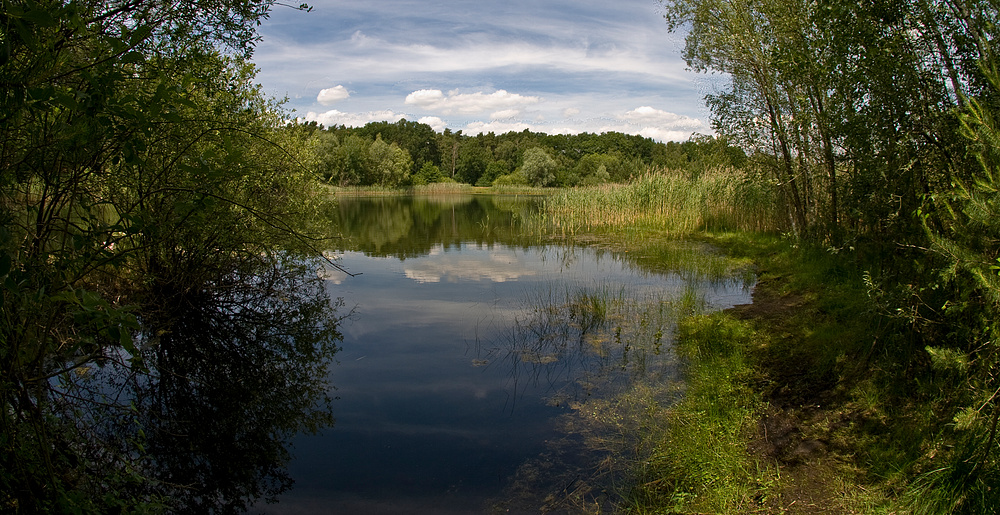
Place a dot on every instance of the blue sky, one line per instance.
(553, 66)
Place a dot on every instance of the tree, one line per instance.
(539, 168)
(473, 158)
(352, 161)
(428, 174)
(141, 173)
(390, 165)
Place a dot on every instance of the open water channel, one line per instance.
(470, 343)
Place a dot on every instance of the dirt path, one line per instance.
(804, 429)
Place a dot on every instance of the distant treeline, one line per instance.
(404, 152)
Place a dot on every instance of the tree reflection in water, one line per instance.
(234, 368)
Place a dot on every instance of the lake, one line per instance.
(471, 342)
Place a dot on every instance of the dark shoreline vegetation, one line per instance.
(161, 222)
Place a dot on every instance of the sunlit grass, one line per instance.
(698, 461)
(670, 202)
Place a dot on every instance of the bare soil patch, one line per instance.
(804, 430)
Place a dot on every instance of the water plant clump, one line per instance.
(608, 355)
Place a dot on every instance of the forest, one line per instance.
(405, 153)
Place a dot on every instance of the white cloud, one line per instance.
(436, 123)
(648, 115)
(454, 268)
(660, 134)
(498, 127)
(425, 97)
(662, 125)
(468, 103)
(335, 117)
(505, 114)
(583, 70)
(330, 95)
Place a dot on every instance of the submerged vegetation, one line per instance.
(609, 356)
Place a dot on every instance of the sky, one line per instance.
(551, 66)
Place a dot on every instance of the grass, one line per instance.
(797, 362)
(699, 462)
(669, 202)
(437, 188)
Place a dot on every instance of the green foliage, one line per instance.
(142, 174)
(483, 158)
(493, 171)
(877, 124)
(352, 162)
(538, 167)
(700, 463)
(428, 174)
(515, 178)
(670, 202)
(390, 165)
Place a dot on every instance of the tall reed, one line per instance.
(720, 199)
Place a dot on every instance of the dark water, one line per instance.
(449, 377)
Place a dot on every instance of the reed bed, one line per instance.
(519, 189)
(437, 188)
(677, 203)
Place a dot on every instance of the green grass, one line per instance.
(437, 188)
(699, 462)
(669, 202)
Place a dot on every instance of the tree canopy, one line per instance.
(483, 158)
(151, 212)
(878, 122)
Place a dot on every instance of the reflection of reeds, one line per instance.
(592, 338)
(600, 349)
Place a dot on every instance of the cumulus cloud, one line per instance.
(498, 127)
(660, 134)
(335, 117)
(468, 103)
(662, 125)
(570, 112)
(330, 95)
(436, 123)
(503, 266)
(646, 115)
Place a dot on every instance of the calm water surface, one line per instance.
(437, 405)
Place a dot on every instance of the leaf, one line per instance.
(40, 17)
(133, 57)
(140, 34)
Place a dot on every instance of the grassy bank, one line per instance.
(812, 399)
(437, 188)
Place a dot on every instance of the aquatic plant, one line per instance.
(674, 202)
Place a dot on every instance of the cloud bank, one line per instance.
(558, 66)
